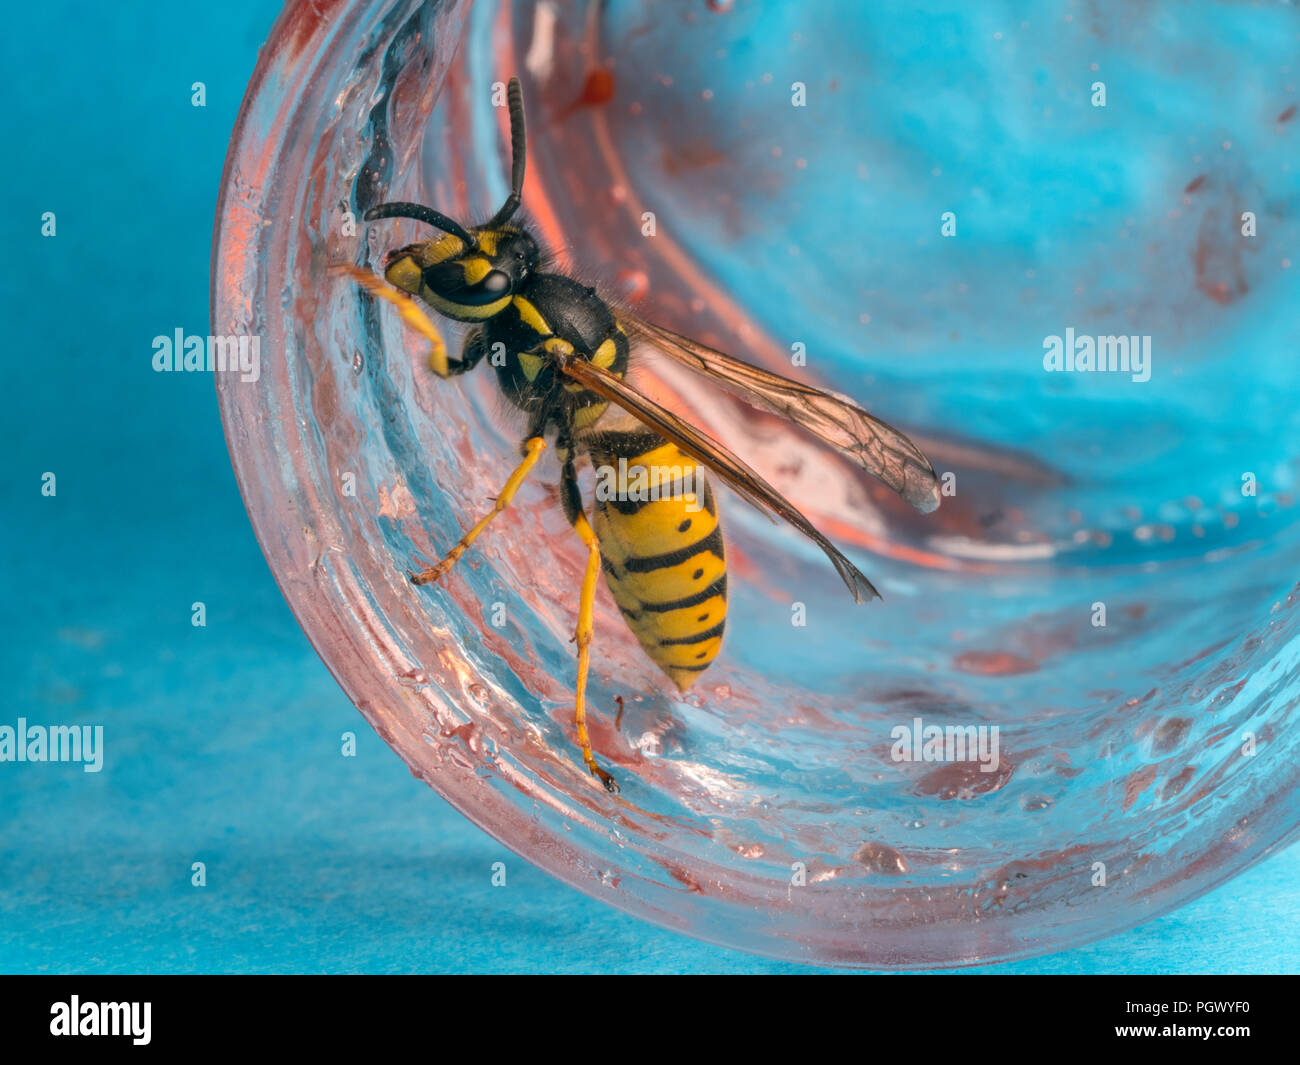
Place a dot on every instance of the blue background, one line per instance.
(223, 743)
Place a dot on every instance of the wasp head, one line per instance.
(468, 276)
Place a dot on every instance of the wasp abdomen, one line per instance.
(662, 550)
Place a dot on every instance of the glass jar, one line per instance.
(1108, 591)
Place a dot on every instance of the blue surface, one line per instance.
(223, 743)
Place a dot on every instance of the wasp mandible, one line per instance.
(566, 358)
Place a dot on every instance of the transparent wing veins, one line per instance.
(877, 447)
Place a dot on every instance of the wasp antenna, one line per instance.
(422, 214)
(518, 154)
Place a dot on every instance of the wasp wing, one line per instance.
(703, 448)
(878, 448)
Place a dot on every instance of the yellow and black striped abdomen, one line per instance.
(662, 551)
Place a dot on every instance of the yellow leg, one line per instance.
(533, 448)
(410, 311)
(586, 625)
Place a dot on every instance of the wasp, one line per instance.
(563, 355)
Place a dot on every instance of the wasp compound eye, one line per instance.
(451, 281)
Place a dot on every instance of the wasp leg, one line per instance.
(532, 449)
(410, 311)
(572, 500)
